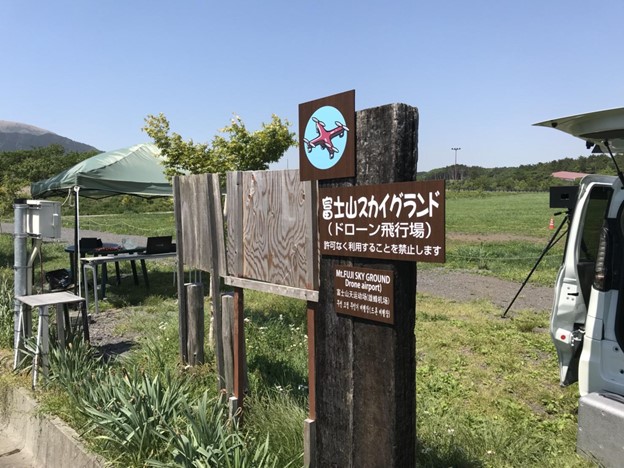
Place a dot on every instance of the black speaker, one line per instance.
(59, 279)
(563, 197)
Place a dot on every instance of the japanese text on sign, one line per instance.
(403, 221)
(365, 293)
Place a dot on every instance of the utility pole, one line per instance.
(455, 167)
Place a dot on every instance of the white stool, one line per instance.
(42, 302)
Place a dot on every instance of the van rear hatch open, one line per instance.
(594, 128)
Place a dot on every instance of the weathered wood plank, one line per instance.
(239, 346)
(311, 219)
(234, 217)
(216, 221)
(296, 293)
(196, 221)
(275, 231)
(309, 443)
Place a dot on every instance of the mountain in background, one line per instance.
(15, 136)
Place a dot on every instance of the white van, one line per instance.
(587, 321)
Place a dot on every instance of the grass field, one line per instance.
(503, 235)
(487, 388)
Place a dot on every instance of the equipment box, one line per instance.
(44, 219)
(600, 436)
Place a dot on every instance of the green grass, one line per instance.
(502, 235)
(511, 260)
(487, 389)
(513, 213)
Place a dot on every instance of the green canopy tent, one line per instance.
(136, 170)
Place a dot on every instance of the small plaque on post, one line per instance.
(364, 292)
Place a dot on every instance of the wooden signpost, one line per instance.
(372, 229)
(374, 223)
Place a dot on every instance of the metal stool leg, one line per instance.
(18, 337)
(85, 321)
(60, 326)
(41, 355)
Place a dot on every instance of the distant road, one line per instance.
(67, 235)
(455, 285)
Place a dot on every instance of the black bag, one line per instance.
(59, 279)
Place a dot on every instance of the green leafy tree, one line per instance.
(235, 148)
(20, 168)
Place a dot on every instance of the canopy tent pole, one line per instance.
(77, 284)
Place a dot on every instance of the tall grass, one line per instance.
(6, 312)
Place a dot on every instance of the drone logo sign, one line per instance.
(327, 137)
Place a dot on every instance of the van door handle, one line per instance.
(573, 294)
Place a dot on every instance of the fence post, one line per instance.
(182, 323)
(227, 322)
(195, 316)
(366, 371)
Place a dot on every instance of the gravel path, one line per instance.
(463, 286)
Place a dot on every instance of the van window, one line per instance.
(595, 214)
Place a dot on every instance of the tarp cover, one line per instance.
(136, 170)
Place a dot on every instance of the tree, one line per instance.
(239, 149)
(20, 168)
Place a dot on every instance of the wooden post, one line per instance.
(217, 265)
(239, 347)
(309, 443)
(182, 324)
(311, 361)
(227, 315)
(309, 425)
(366, 371)
(195, 315)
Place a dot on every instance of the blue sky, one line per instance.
(480, 72)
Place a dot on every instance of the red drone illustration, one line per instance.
(325, 137)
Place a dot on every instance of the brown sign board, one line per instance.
(365, 293)
(397, 221)
(327, 137)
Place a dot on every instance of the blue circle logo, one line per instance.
(325, 137)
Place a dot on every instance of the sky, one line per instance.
(479, 72)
